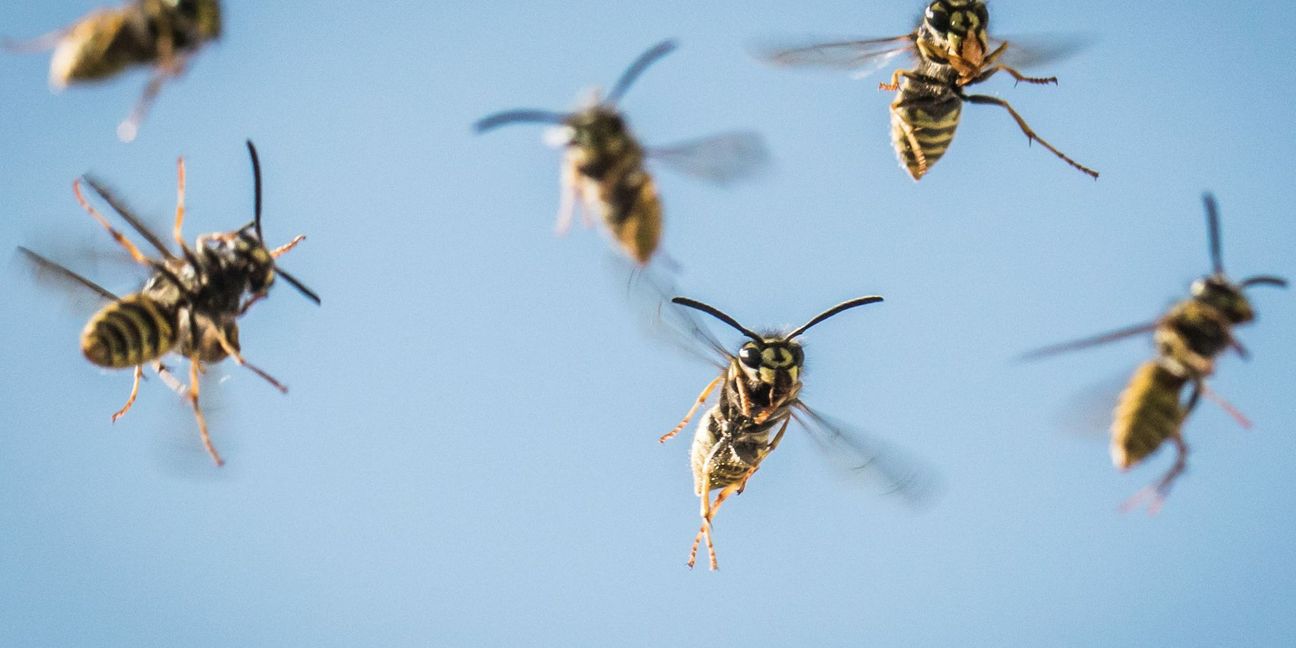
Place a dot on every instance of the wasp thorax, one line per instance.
(1224, 296)
(773, 361)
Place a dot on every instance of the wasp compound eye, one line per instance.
(750, 356)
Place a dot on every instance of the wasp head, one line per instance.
(205, 14)
(598, 128)
(772, 361)
(1225, 296)
(957, 29)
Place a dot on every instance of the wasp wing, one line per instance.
(721, 159)
(649, 291)
(45, 268)
(862, 457)
(1085, 343)
(1029, 50)
(860, 57)
(128, 215)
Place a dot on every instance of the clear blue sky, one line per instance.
(468, 452)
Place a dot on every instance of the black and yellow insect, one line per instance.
(760, 391)
(605, 170)
(953, 51)
(1188, 338)
(164, 34)
(191, 303)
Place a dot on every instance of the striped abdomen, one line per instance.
(922, 127)
(627, 199)
(725, 452)
(1148, 412)
(129, 332)
(100, 45)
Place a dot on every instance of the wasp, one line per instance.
(760, 394)
(604, 166)
(164, 34)
(1189, 338)
(190, 304)
(953, 51)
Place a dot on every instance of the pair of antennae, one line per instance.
(720, 315)
(256, 224)
(623, 84)
(1217, 257)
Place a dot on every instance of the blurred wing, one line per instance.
(64, 276)
(128, 215)
(1085, 343)
(860, 57)
(649, 291)
(1087, 413)
(720, 158)
(1026, 51)
(866, 459)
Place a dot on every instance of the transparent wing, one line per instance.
(1030, 50)
(1085, 343)
(721, 158)
(867, 459)
(54, 272)
(860, 57)
(649, 291)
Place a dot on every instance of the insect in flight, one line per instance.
(604, 163)
(190, 304)
(1189, 338)
(953, 51)
(760, 391)
(162, 33)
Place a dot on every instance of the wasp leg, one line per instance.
(1021, 78)
(1156, 494)
(129, 127)
(706, 393)
(130, 400)
(121, 239)
(708, 512)
(894, 85)
(287, 247)
(194, 363)
(569, 189)
(169, 379)
(1030, 134)
(1228, 407)
(238, 360)
(176, 230)
(742, 485)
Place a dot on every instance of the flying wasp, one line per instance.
(1189, 338)
(953, 51)
(760, 391)
(604, 163)
(164, 34)
(190, 304)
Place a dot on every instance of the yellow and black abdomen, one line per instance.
(1149, 412)
(129, 332)
(632, 210)
(927, 121)
(101, 45)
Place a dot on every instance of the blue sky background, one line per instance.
(468, 452)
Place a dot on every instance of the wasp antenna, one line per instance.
(846, 305)
(256, 183)
(1264, 280)
(519, 116)
(307, 292)
(716, 313)
(1213, 230)
(637, 68)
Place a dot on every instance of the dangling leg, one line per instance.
(238, 359)
(169, 379)
(742, 485)
(1030, 134)
(706, 393)
(176, 229)
(139, 373)
(1156, 494)
(169, 65)
(117, 236)
(708, 513)
(1226, 406)
(194, 363)
(287, 247)
(1021, 78)
(567, 196)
